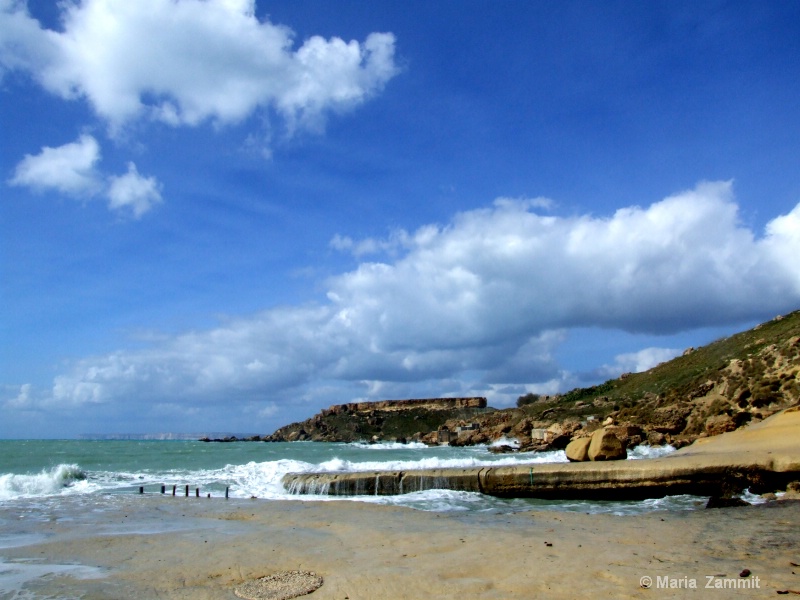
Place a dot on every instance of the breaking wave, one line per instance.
(62, 479)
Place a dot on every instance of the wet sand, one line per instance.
(164, 547)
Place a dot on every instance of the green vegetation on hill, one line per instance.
(407, 424)
(749, 374)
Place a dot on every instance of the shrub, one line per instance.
(527, 399)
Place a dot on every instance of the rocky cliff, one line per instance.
(763, 458)
(402, 420)
(705, 392)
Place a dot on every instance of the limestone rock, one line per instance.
(719, 424)
(578, 450)
(502, 449)
(629, 435)
(522, 429)
(725, 502)
(792, 491)
(604, 445)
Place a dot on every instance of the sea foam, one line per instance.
(61, 479)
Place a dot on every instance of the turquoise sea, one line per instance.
(53, 490)
(35, 470)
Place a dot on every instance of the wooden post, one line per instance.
(174, 487)
(187, 490)
(208, 495)
(163, 489)
(141, 489)
(226, 492)
(196, 492)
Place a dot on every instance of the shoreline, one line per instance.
(764, 457)
(123, 546)
(181, 549)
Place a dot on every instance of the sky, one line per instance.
(225, 215)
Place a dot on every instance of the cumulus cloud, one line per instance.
(480, 303)
(22, 42)
(23, 399)
(71, 169)
(203, 60)
(133, 192)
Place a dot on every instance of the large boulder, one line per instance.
(670, 419)
(604, 445)
(578, 450)
(720, 424)
(629, 435)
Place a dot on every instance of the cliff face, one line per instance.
(385, 420)
(397, 405)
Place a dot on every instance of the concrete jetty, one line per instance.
(763, 457)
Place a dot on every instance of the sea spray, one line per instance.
(646, 451)
(388, 445)
(56, 469)
(58, 480)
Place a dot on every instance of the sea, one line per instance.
(62, 490)
(39, 473)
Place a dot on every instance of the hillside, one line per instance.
(384, 420)
(706, 391)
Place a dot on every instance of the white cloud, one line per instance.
(23, 399)
(397, 241)
(71, 169)
(637, 362)
(203, 59)
(22, 42)
(480, 303)
(133, 192)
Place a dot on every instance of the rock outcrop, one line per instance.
(764, 457)
(396, 420)
(578, 449)
(608, 443)
(705, 392)
(605, 445)
(402, 405)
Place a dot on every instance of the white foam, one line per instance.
(504, 441)
(263, 479)
(62, 479)
(646, 451)
(752, 498)
(389, 446)
(435, 462)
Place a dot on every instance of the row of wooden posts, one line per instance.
(175, 489)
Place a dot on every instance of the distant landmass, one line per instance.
(161, 436)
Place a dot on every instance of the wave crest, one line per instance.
(57, 480)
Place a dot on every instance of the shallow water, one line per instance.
(35, 473)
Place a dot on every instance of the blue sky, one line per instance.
(223, 215)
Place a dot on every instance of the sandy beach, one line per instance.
(164, 547)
